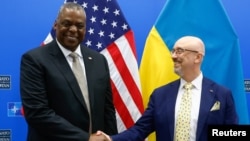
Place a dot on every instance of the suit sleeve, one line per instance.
(231, 116)
(143, 126)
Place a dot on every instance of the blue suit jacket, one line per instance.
(160, 113)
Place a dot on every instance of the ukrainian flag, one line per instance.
(208, 20)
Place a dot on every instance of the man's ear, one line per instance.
(55, 25)
(198, 58)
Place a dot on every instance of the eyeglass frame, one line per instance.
(179, 51)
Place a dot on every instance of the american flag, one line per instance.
(109, 33)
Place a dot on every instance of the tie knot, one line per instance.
(188, 86)
(73, 55)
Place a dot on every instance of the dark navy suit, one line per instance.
(160, 113)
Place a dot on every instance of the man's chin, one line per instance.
(72, 42)
(177, 71)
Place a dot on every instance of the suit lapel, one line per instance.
(207, 99)
(88, 61)
(63, 66)
(172, 102)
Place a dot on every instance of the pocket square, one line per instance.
(216, 106)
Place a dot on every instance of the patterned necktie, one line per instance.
(81, 79)
(184, 115)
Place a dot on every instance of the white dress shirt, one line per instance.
(67, 52)
(196, 97)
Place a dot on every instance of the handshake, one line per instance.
(99, 136)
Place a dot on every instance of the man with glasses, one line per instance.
(211, 103)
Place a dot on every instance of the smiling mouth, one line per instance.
(176, 64)
(71, 37)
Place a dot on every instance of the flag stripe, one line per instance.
(130, 37)
(121, 108)
(124, 101)
(131, 60)
(157, 67)
(121, 87)
(123, 69)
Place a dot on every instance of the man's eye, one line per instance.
(68, 25)
(65, 24)
(80, 26)
(179, 50)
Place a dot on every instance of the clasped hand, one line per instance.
(99, 136)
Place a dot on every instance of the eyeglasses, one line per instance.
(179, 51)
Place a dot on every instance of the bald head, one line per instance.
(191, 43)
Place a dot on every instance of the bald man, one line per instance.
(211, 103)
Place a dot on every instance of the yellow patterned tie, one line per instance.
(184, 115)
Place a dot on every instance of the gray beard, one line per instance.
(178, 71)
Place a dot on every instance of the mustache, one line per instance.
(176, 60)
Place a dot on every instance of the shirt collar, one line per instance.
(66, 52)
(197, 82)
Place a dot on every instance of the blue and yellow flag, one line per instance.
(208, 20)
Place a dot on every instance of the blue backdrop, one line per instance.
(25, 24)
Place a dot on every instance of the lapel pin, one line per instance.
(211, 91)
(90, 58)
